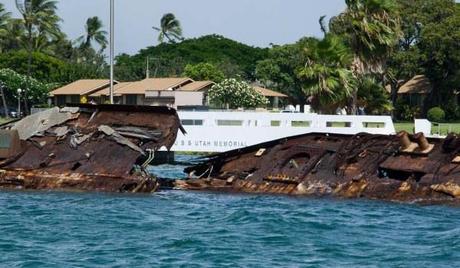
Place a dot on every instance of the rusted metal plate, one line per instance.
(363, 165)
(76, 154)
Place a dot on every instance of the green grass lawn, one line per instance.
(4, 120)
(409, 127)
(441, 129)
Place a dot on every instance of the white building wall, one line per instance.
(185, 98)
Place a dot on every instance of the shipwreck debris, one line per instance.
(403, 167)
(86, 147)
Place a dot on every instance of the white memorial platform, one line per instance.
(224, 131)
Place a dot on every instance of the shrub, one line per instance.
(436, 114)
(405, 112)
(37, 92)
(204, 71)
(452, 111)
(43, 67)
(236, 94)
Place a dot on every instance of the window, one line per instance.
(60, 100)
(117, 100)
(104, 99)
(233, 123)
(131, 99)
(373, 124)
(74, 98)
(192, 122)
(275, 123)
(338, 124)
(300, 123)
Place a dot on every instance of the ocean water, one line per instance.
(189, 229)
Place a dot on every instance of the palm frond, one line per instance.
(170, 29)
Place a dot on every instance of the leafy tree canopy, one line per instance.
(279, 70)
(326, 75)
(170, 59)
(37, 92)
(43, 67)
(429, 46)
(203, 72)
(50, 69)
(373, 97)
(233, 94)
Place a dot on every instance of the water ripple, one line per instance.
(48, 229)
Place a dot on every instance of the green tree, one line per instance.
(406, 61)
(170, 28)
(42, 66)
(94, 32)
(428, 46)
(204, 71)
(14, 37)
(50, 69)
(372, 29)
(440, 47)
(12, 81)
(326, 76)
(169, 59)
(279, 70)
(373, 96)
(63, 49)
(231, 93)
(5, 18)
(40, 22)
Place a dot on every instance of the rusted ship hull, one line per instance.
(407, 168)
(86, 148)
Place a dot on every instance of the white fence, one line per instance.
(431, 129)
(224, 131)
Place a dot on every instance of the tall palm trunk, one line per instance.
(357, 69)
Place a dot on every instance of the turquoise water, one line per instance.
(184, 229)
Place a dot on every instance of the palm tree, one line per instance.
(326, 76)
(322, 25)
(46, 38)
(94, 32)
(372, 28)
(5, 17)
(14, 39)
(40, 21)
(170, 29)
(373, 96)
